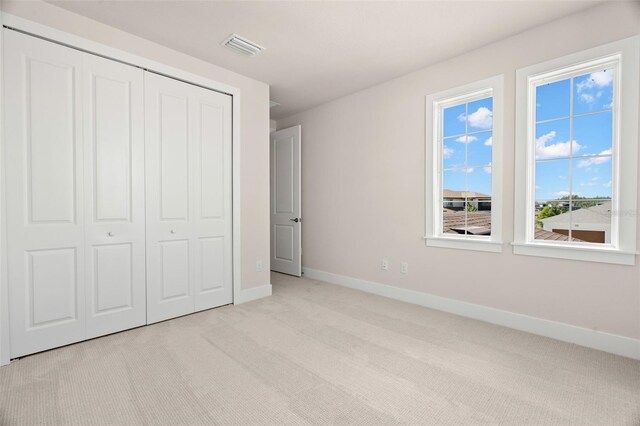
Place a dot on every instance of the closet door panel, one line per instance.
(174, 157)
(44, 193)
(114, 195)
(169, 195)
(213, 219)
(188, 153)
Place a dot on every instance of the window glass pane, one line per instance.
(553, 100)
(593, 134)
(466, 180)
(480, 115)
(453, 181)
(592, 177)
(552, 217)
(453, 152)
(552, 221)
(478, 217)
(591, 221)
(479, 182)
(552, 139)
(552, 180)
(454, 120)
(593, 92)
(453, 200)
(479, 149)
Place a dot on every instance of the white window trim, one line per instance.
(625, 156)
(434, 237)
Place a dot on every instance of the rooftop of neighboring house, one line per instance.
(449, 194)
(479, 223)
(596, 214)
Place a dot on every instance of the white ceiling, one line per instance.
(320, 51)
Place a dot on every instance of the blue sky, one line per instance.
(584, 162)
(561, 161)
(467, 143)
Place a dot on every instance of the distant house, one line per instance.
(455, 200)
(591, 224)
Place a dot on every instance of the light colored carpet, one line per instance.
(321, 354)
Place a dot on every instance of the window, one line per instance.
(464, 127)
(576, 140)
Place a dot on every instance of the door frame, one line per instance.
(57, 36)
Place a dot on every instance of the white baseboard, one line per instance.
(606, 342)
(254, 293)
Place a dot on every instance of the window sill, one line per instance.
(465, 244)
(587, 254)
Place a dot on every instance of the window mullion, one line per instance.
(571, 159)
(466, 165)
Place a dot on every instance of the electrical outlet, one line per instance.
(384, 265)
(404, 268)
(259, 266)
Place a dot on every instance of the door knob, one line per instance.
(173, 231)
(111, 234)
(295, 220)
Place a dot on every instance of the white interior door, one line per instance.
(286, 217)
(188, 190)
(44, 193)
(114, 196)
(212, 218)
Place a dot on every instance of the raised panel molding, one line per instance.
(212, 161)
(111, 116)
(174, 157)
(284, 242)
(112, 278)
(52, 290)
(174, 269)
(212, 261)
(283, 178)
(50, 133)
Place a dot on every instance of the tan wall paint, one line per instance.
(363, 189)
(254, 120)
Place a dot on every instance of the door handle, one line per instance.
(297, 219)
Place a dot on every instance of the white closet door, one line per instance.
(114, 196)
(188, 190)
(212, 215)
(44, 193)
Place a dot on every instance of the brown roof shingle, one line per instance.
(482, 219)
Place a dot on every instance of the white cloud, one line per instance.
(595, 160)
(589, 88)
(468, 170)
(562, 194)
(447, 152)
(487, 169)
(607, 185)
(558, 149)
(482, 118)
(592, 182)
(587, 98)
(466, 139)
(489, 142)
(596, 80)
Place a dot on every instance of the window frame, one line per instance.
(434, 108)
(623, 56)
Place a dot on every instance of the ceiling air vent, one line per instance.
(242, 45)
(273, 104)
